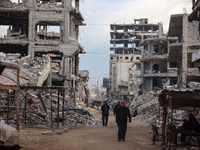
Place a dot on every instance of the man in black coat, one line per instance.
(121, 119)
(116, 107)
(105, 113)
(191, 124)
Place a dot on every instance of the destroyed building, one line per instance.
(46, 27)
(194, 16)
(84, 91)
(174, 58)
(181, 51)
(157, 72)
(125, 63)
(168, 60)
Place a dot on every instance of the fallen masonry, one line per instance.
(40, 106)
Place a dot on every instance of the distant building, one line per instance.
(125, 63)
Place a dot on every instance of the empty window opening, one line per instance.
(12, 32)
(158, 82)
(118, 51)
(16, 1)
(137, 58)
(130, 45)
(46, 32)
(119, 45)
(3, 31)
(173, 64)
(160, 68)
(126, 58)
(56, 2)
(120, 30)
(173, 81)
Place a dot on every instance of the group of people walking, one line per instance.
(122, 115)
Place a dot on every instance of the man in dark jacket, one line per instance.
(191, 124)
(116, 107)
(105, 113)
(121, 119)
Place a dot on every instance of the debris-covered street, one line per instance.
(89, 137)
(65, 65)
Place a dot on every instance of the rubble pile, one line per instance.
(38, 111)
(33, 71)
(147, 106)
(194, 84)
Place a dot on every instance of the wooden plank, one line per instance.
(18, 93)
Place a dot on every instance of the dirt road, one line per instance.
(90, 138)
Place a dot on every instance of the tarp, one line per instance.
(8, 135)
(187, 99)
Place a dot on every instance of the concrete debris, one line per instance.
(38, 111)
(33, 71)
(147, 106)
(194, 84)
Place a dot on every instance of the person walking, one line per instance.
(121, 119)
(105, 113)
(116, 107)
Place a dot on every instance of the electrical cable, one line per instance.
(97, 53)
(99, 76)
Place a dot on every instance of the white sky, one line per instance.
(99, 14)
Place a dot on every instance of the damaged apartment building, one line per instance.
(167, 60)
(156, 70)
(125, 65)
(46, 27)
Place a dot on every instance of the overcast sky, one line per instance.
(99, 14)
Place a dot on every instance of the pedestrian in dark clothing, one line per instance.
(191, 124)
(121, 119)
(105, 113)
(135, 113)
(116, 107)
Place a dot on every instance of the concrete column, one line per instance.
(160, 31)
(150, 84)
(31, 25)
(168, 66)
(49, 79)
(31, 28)
(76, 65)
(66, 34)
(52, 1)
(184, 50)
(45, 28)
(151, 66)
(168, 82)
(149, 47)
(142, 63)
(64, 66)
(77, 4)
